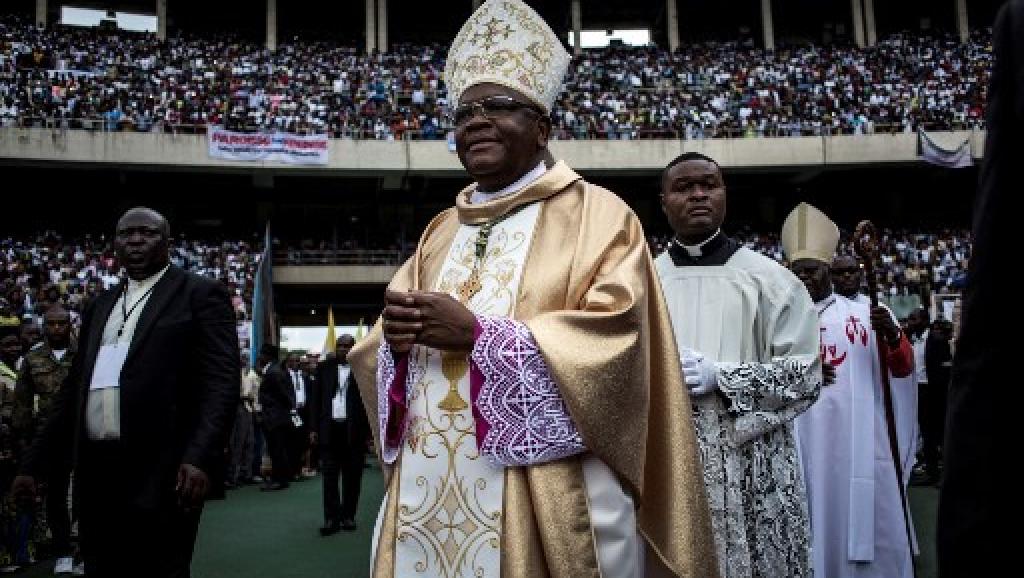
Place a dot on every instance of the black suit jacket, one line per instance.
(277, 396)
(312, 381)
(358, 427)
(179, 387)
(937, 356)
(984, 398)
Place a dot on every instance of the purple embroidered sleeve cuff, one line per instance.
(521, 418)
(392, 375)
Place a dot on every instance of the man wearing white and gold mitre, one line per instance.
(524, 379)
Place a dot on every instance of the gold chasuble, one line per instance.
(570, 261)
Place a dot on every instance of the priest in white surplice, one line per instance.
(748, 341)
(857, 519)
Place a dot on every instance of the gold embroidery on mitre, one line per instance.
(507, 43)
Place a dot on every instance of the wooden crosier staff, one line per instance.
(865, 244)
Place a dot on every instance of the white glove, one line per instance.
(699, 373)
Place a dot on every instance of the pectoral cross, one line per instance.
(473, 284)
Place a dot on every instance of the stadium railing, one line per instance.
(338, 257)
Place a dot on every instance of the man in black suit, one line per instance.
(984, 398)
(146, 409)
(277, 400)
(341, 429)
(312, 379)
(299, 439)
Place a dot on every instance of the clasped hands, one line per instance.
(426, 318)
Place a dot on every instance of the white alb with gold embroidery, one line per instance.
(450, 497)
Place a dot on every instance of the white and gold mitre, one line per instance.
(809, 234)
(505, 42)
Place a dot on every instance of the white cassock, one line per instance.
(755, 320)
(857, 523)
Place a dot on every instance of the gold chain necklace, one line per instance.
(473, 284)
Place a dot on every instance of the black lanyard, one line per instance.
(126, 312)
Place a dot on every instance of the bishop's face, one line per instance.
(499, 134)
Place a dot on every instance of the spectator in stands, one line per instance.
(7, 316)
(64, 76)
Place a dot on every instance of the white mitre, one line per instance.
(505, 42)
(808, 233)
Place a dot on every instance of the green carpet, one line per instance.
(257, 534)
(274, 535)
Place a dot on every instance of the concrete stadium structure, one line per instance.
(371, 158)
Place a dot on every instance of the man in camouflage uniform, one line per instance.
(42, 375)
(12, 554)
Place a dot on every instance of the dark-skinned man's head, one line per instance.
(141, 241)
(693, 197)
(268, 353)
(342, 346)
(293, 361)
(500, 135)
(57, 327)
(30, 334)
(815, 275)
(847, 276)
(10, 346)
(918, 320)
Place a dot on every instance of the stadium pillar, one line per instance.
(672, 21)
(870, 30)
(577, 25)
(382, 25)
(40, 12)
(271, 24)
(371, 26)
(961, 20)
(767, 25)
(161, 19)
(858, 22)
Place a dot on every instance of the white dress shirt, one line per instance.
(339, 411)
(300, 388)
(103, 406)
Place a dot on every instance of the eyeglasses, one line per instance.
(846, 271)
(492, 108)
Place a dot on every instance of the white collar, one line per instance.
(521, 183)
(697, 250)
(144, 284)
(825, 303)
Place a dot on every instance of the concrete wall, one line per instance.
(433, 157)
(333, 274)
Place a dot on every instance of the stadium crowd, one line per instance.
(84, 78)
(45, 269)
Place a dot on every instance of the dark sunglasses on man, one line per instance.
(492, 108)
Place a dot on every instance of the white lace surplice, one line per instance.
(755, 320)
